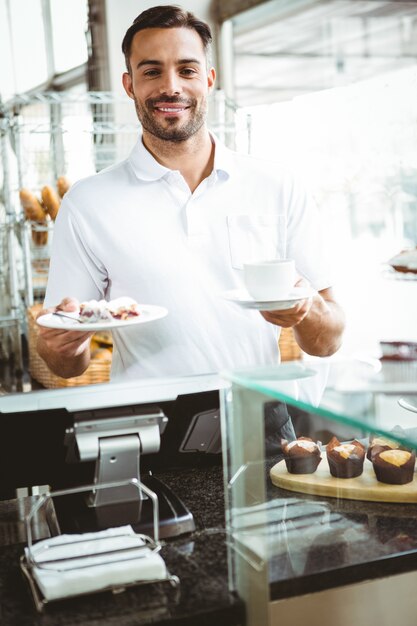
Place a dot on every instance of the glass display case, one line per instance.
(296, 536)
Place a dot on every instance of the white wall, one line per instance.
(121, 13)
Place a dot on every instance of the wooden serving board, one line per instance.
(364, 487)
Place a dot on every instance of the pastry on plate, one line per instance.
(123, 308)
(405, 261)
(103, 311)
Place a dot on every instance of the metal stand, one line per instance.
(29, 563)
(10, 307)
(115, 439)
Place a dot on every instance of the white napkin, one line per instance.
(92, 561)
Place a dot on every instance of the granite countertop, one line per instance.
(199, 559)
(358, 540)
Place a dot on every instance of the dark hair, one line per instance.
(168, 16)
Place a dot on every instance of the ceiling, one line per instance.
(285, 48)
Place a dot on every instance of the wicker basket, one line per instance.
(97, 372)
(289, 348)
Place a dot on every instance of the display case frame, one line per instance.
(285, 543)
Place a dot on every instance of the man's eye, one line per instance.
(151, 73)
(188, 71)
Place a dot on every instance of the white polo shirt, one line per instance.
(136, 230)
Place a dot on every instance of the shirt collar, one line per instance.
(146, 167)
(224, 164)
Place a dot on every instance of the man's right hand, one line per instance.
(66, 352)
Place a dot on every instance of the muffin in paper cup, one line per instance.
(394, 467)
(345, 459)
(302, 456)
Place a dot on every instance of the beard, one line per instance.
(171, 130)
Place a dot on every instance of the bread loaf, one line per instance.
(31, 206)
(40, 237)
(94, 345)
(104, 338)
(101, 354)
(50, 201)
(62, 184)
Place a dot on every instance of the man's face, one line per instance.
(169, 82)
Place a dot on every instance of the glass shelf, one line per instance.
(289, 538)
(360, 393)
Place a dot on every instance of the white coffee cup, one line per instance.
(269, 279)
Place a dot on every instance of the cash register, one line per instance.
(109, 434)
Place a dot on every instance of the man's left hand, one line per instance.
(286, 318)
(318, 322)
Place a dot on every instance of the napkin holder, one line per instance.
(28, 561)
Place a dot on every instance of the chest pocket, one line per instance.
(253, 237)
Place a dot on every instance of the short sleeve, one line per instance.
(306, 241)
(74, 269)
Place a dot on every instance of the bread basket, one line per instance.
(97, 372)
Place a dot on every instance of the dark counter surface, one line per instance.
(341, 542)
(329, 542)
(199, 559)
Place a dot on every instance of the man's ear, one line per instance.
(211, 78)
(127, 84)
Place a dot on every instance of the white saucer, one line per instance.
(241, 297)
(148, 313)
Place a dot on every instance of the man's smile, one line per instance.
(173, 117)
(170, 108)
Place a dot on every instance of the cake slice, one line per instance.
(123, 308)
(94, 311)
(405, 261)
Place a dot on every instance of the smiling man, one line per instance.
(150, 82)
(169, 81)
(173, 224)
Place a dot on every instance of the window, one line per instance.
(38, 40)
(69, 23)
(7, 79)
(356, 148)
(27, 38)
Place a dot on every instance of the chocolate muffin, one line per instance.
(378, 443)
(345, 459)
(394, 467)
(301, 456)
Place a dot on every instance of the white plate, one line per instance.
(241, 297)
(148, 313)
